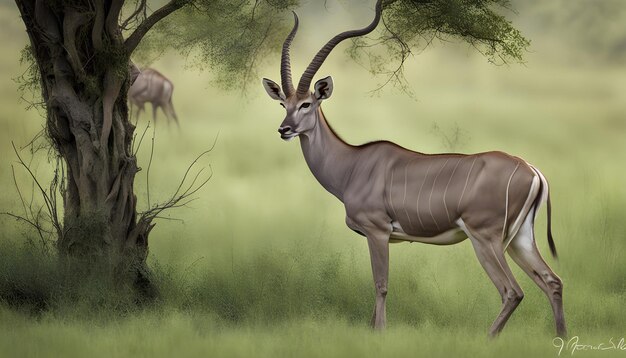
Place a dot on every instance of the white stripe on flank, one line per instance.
(406, 169)
(390, 200)
(465, 187)
(431, 193)
(506, 203)
(420, 192)
(446, 191)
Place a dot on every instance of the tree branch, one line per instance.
(135, 17)
(133, 40)
(98, 25)
(112, 87)
(47, 23)
(112, 21)
(37, 217)
(73, 20)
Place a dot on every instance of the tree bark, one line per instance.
(84, 67)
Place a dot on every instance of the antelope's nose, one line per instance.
(285, 129)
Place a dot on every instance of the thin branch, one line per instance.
(31, 144)
(194, 162)
(133, 40)
(250, 68)
(256, 4)
(140, 9)
(150, 164)
(43, 191)
(169, 219)
(40, 218)
(26, 220)
(17, 187)
(181, 197)
(397, 74)
(136, 149)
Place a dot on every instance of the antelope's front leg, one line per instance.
(378, 243)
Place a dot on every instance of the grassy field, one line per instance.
(236, 281)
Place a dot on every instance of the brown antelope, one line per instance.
(151, 86)
(392, 194)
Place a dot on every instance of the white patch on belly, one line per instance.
(450, 237)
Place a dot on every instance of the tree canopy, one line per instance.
(409, 26)
(230, 37)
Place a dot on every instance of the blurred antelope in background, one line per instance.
(151, 86)
(392, 194)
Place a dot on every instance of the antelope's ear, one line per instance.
(324, 88)
(273, 89)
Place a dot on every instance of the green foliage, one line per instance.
(229, 38)
(29, 82)
(453, 139)
(473, 21)
(232, 38)
(412, 25)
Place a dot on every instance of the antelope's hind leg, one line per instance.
(490, 253)
(155, 107)
(168, 108)
(140, 108)
(524, 252)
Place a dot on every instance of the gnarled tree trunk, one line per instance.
(84, 65)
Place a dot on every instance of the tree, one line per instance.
(82, 51)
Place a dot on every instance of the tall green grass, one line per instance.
(263, 265)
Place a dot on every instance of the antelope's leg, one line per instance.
(140, 108)
(154, 112)
(524, 252)
(379, 254)
(373, 319)
(491, 256)
(171, 114)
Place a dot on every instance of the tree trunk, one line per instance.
(85, 75)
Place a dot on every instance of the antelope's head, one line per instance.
(301, 104)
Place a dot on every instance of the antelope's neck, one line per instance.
(330, 159)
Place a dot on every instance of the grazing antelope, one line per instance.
(151, 86)
(392, 194)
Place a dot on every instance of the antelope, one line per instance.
(392, 194)
(151, 86)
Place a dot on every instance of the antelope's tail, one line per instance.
(550, 239)
(544, 195)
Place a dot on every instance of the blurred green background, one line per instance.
(262, 263)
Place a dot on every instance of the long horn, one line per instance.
(318, 60)
(285, 63)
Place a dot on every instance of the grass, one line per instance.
(263, 264)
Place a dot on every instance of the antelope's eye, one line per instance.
(305, 105)
(282, 105)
